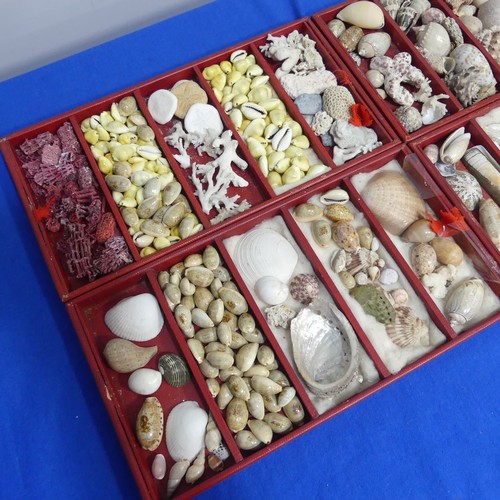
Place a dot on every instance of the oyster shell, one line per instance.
(185, 431)
(137, 318)
(264, 252)
(394, 201)
(325, 348)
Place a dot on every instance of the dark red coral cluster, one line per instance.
(70, 202)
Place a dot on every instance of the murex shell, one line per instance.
(124, 356)
(394, 201)
(149, 424)
(464, 302)
(138, 318)
(363, 14)
(408, 329)
(325, 349)
(264, 252)
(174, 369)
(185, 430)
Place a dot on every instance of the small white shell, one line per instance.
(159, 467)
(271, 290)
(144, 381)
(162, 105)
(136, 318)
(375, 77)
(334, 196)
(185, 430)
(455, 146)
(363, 14)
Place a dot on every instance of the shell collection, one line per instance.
(327, 107)
(369, 281)
(143, 185)
(194, 128)
(274, 139)
(474, 176)
(241, 371)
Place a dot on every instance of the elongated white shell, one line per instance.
(271, 290)
(144, 381)
(363, 14)
(455, 146)
(264, 252)
(185, 431)
(136, 318)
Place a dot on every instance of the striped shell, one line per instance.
(174, 370)
(408, 329)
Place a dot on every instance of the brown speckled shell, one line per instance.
(351, 37)
(345, 236)
(149, 424)
(423, 259)
(304, 288)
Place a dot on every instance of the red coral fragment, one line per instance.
(342, 77)
(449, 223)
(105, 228)
(45, 211)
(360, 116)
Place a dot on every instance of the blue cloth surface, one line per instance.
(433, 434)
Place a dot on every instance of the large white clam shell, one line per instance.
(325, 348)
(264, 252)
(185, 431)
(363, 14)
(136, 318)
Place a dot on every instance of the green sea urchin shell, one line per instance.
(374, 302)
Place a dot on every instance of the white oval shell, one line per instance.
(159, 467)
(185, 431)
(144, 381)
(464, 302)
(136, 318)
(363, 14)
(455, 146)
(271, 290)
(162, 105)
(264, 252)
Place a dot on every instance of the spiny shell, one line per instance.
(464, 301)
(336, 212)
(124, 356)
(137, 318)
(423, 259)
(447, 251)
(345, 236)
(419, 232)
(374, 301)
(408, 329)
(394, 201)
(350, 37)
(363, 14)
(304, 288)
(149, 424)
(374, 44)
(185, 430)
(337, 102)
(174, 369)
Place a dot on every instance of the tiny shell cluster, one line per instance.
(474, 176)
(143, 185)
(191, 436)
(193, 123)
(240, 369)
(328, 107)
(361, 270)
(392, 76)
(274, 139)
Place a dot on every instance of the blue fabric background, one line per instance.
(433, 434)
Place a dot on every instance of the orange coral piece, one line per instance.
(360, 116)
(342, 77)
(45, 211)
(449, 223)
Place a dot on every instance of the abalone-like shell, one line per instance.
(374, 302)
(394, 201)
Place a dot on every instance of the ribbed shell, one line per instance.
(174, 370)
(407, 329)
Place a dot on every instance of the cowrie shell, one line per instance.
(252, 111)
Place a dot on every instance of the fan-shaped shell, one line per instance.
(394, 201)
(185, 431)
(174, 369)
(264, 252)
(408, 329)
(325, 349)
(137, 318)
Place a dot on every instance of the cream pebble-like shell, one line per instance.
(271, 290)
(363, 14)
(144, 381)
(162, 105)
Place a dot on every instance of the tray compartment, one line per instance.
(399, 43)
(478, 137)
(44, 205)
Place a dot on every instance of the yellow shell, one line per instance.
(447, 251)
(337, 212)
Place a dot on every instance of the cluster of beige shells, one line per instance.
(241, 371)
(140, 179)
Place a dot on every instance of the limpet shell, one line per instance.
(149, 424)
(174, 369)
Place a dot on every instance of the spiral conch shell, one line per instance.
(394, 201)
(374, 44)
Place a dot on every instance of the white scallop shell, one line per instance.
(271, 290)
(185, 431)
(144, 381)
(136, 318)
(363, 14)
(264, 252)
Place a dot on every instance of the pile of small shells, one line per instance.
(273, 138)
(143, 186)
(360, 268)
(240, 369)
